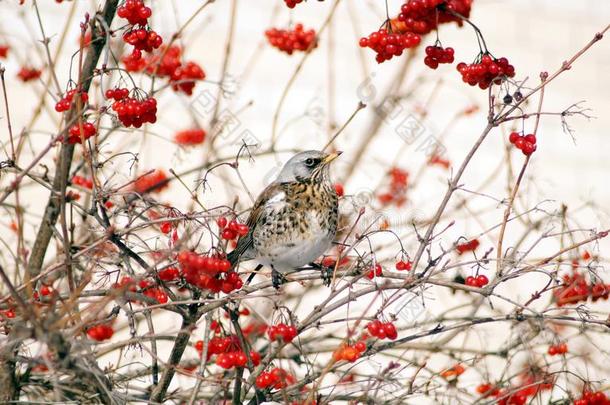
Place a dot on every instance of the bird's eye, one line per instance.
(310, 162)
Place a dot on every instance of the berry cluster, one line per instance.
(74, 133)
(135, 12)
(169, 274)
(526, 144)
(423, 16)
(485, 72)
(117, 94)
(292, 3)
(229, 352)
(593, 398)
(575, 288)
(559, 348)
(399, 180)
(375, 271)
(153, 291)
(100, 332)
(297, 39)
(209, 272)
(155, 181)
(165, 62)
(133, 112)
(479, 281)
(349, 353)
(134, 62)
(237, 359)
(27, 74)
(142, 40)
(4, 51)
(382, 330)
(276, 378)
(387, 45)
(282, 331)
(183, 78)
(402, 265)
(82, 181)
(469, 246)
(232, 229)
(65, 102)
(436, 55)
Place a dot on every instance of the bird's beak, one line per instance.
(331, 156)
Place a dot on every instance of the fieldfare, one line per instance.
(294, 219)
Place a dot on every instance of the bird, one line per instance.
(294, 219)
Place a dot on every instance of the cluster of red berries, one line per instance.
(155, 181)
(209, 272)
(229, 352)
(479, 281)
(375, 271)
(142, 40)
(237, 359)
(82, 181)
(292, 3)
(575, 288)
(296, 39)
(436, 55)
(134, 112)
(169, 274)
(183, 78)
(65, 102)
(593, 398)
(382, 330)
(402, 265)
(4, 51)
(74, 133)
(485, 72)
(282, 331)
(526, 144)
(559, 348)
(423, 16)
(135, 12)
(151, 290)
(387, 45)
(231, 229)
(276, 378)
(100, 332)
(27, 74)
(349, 353)
(399, 180)
(469, 246)
(134, 62)
(117, 94)
(165, 62)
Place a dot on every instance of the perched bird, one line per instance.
(294, 219)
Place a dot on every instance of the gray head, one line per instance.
(307, 165)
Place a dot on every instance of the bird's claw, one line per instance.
(326, 273)
(277, 279)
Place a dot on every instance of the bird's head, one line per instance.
(308, 165)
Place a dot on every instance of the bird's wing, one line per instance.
(270, 196)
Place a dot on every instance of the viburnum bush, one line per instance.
(137, 135)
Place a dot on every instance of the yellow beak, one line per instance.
(331, 156)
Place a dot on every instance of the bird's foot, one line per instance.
(326, 273)
(277, 279)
